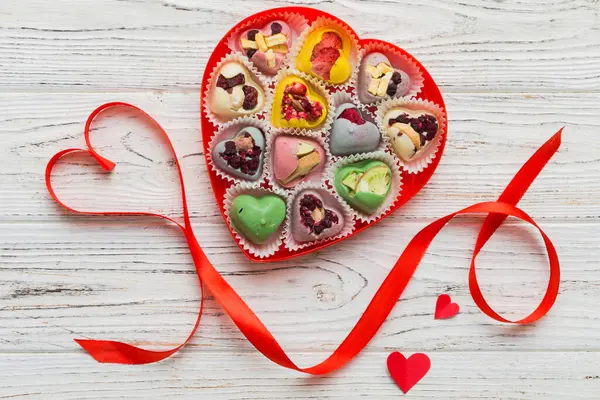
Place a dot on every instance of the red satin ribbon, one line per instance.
(381, 304)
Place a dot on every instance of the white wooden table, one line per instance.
(512, 73)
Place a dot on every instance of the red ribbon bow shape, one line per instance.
(382, 303)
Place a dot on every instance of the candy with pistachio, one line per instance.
(257, 218)
(364, 185)
(409, 131)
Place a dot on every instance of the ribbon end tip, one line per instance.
(556, 140)
(106, 164)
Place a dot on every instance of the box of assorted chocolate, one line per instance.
(312, 134)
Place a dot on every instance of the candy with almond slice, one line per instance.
(295, 159)
(409, 131)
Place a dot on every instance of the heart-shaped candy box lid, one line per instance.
(412, 183)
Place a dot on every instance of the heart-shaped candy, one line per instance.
(316, 215)
(235, 92)
(408, 372)
(409, 131)
(326, 55)
(379, 80)
(242, 155)
(321, 67)
(268, 46)
(257, 218)
(297, 105)
(364, 185)
(351, 132)
(295, 159)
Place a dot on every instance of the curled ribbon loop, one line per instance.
(381, 304)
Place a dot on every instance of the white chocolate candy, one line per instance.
(230, 104)
(231, 69)
(404, 140)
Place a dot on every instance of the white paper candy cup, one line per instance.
(229, 130)
(317, 87)
(395, 190)
(426, 155)
(219, 120)
(398, 61)
(312, 176)
(355, 53)
(296, 22)
(340, 98)
(268, 248)
(290, 242)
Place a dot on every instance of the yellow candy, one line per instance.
(341, 70)
(277, 118)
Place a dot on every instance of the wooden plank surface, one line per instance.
(512, 73)
(472, 45)
(233, 375)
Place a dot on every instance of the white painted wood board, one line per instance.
(512, 73)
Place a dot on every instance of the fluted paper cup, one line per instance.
(426, 155)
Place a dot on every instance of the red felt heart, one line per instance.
(411, 183)
(408, 372)
(445, 308)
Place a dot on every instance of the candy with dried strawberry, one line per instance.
(327, 55)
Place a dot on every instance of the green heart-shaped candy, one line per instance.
(257, 218)
(364, 185)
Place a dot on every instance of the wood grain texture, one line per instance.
(467, 45)
(231, 375)
(137, 284)
(512, 73)
(491, 136)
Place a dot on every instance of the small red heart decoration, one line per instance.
(445, 308)
(411, 183)
(408, 372)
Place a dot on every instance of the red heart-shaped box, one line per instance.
(411, 183)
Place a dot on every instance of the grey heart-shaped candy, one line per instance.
(245, 161)
(348, 137)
